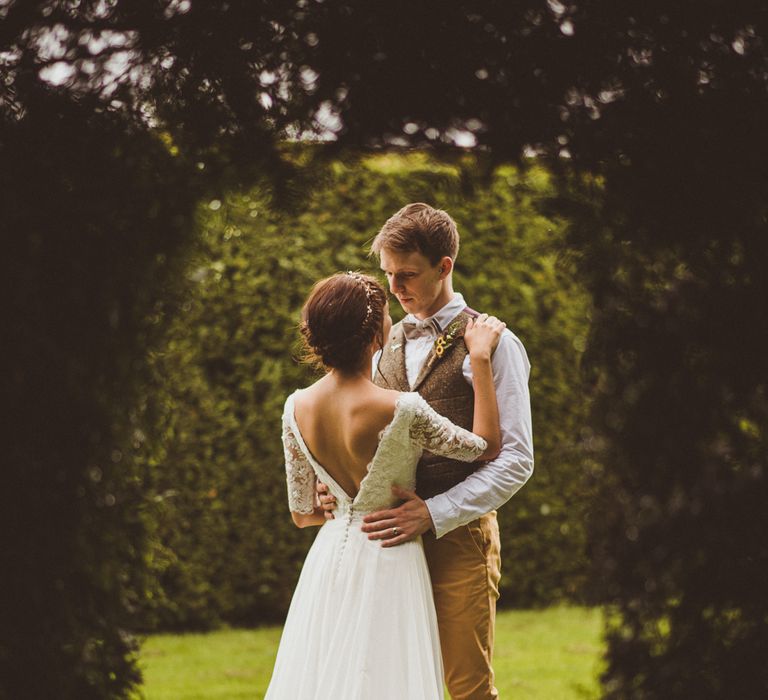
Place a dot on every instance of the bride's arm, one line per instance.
(316, 517)
(300, 479)
(481, 337)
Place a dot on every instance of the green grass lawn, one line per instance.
(549, 654)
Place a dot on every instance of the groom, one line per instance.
(453, 507)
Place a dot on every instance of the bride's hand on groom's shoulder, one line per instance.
(327, 501)
(482, 335)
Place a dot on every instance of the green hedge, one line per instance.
(225, 547)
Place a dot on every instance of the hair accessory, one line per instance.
(368, 292)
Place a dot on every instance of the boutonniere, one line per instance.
(445, 340)
(395, 346)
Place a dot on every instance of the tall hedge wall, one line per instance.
(225, 548)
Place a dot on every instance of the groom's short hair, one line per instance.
(419, 227)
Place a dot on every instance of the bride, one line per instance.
(362, 621)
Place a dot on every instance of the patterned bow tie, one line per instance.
(418, 329)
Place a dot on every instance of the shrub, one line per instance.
(226, 549)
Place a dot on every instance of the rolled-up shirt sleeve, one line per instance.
(495, 482)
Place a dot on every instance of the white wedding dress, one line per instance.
(362, 624)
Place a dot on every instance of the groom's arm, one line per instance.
(495, 482)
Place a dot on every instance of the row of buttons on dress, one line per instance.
(350, 513)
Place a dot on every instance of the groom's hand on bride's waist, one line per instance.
(327, 501)
(398, 525)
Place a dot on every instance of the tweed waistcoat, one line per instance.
(441, 382)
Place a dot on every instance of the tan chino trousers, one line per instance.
(465, 567)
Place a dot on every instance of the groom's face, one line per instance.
(414, 280)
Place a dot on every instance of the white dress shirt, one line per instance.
(495, 482)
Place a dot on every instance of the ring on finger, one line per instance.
(395, 531)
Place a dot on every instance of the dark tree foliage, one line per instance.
(84, 250)
(674, 254)
(664, 102)
(97, 204)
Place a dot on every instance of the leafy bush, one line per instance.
(226, 549)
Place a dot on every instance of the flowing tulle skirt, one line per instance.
(361, 625)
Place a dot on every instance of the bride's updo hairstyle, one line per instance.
(343, 315)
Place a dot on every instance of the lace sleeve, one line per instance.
(437, 434)
(299, 474)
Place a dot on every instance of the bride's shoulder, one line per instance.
(302, 396)
(309, 395)
(291, 398)
(410, 402)
(388, 405)
(382, 400)
(288, 404)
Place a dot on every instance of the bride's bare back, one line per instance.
(340, 424)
